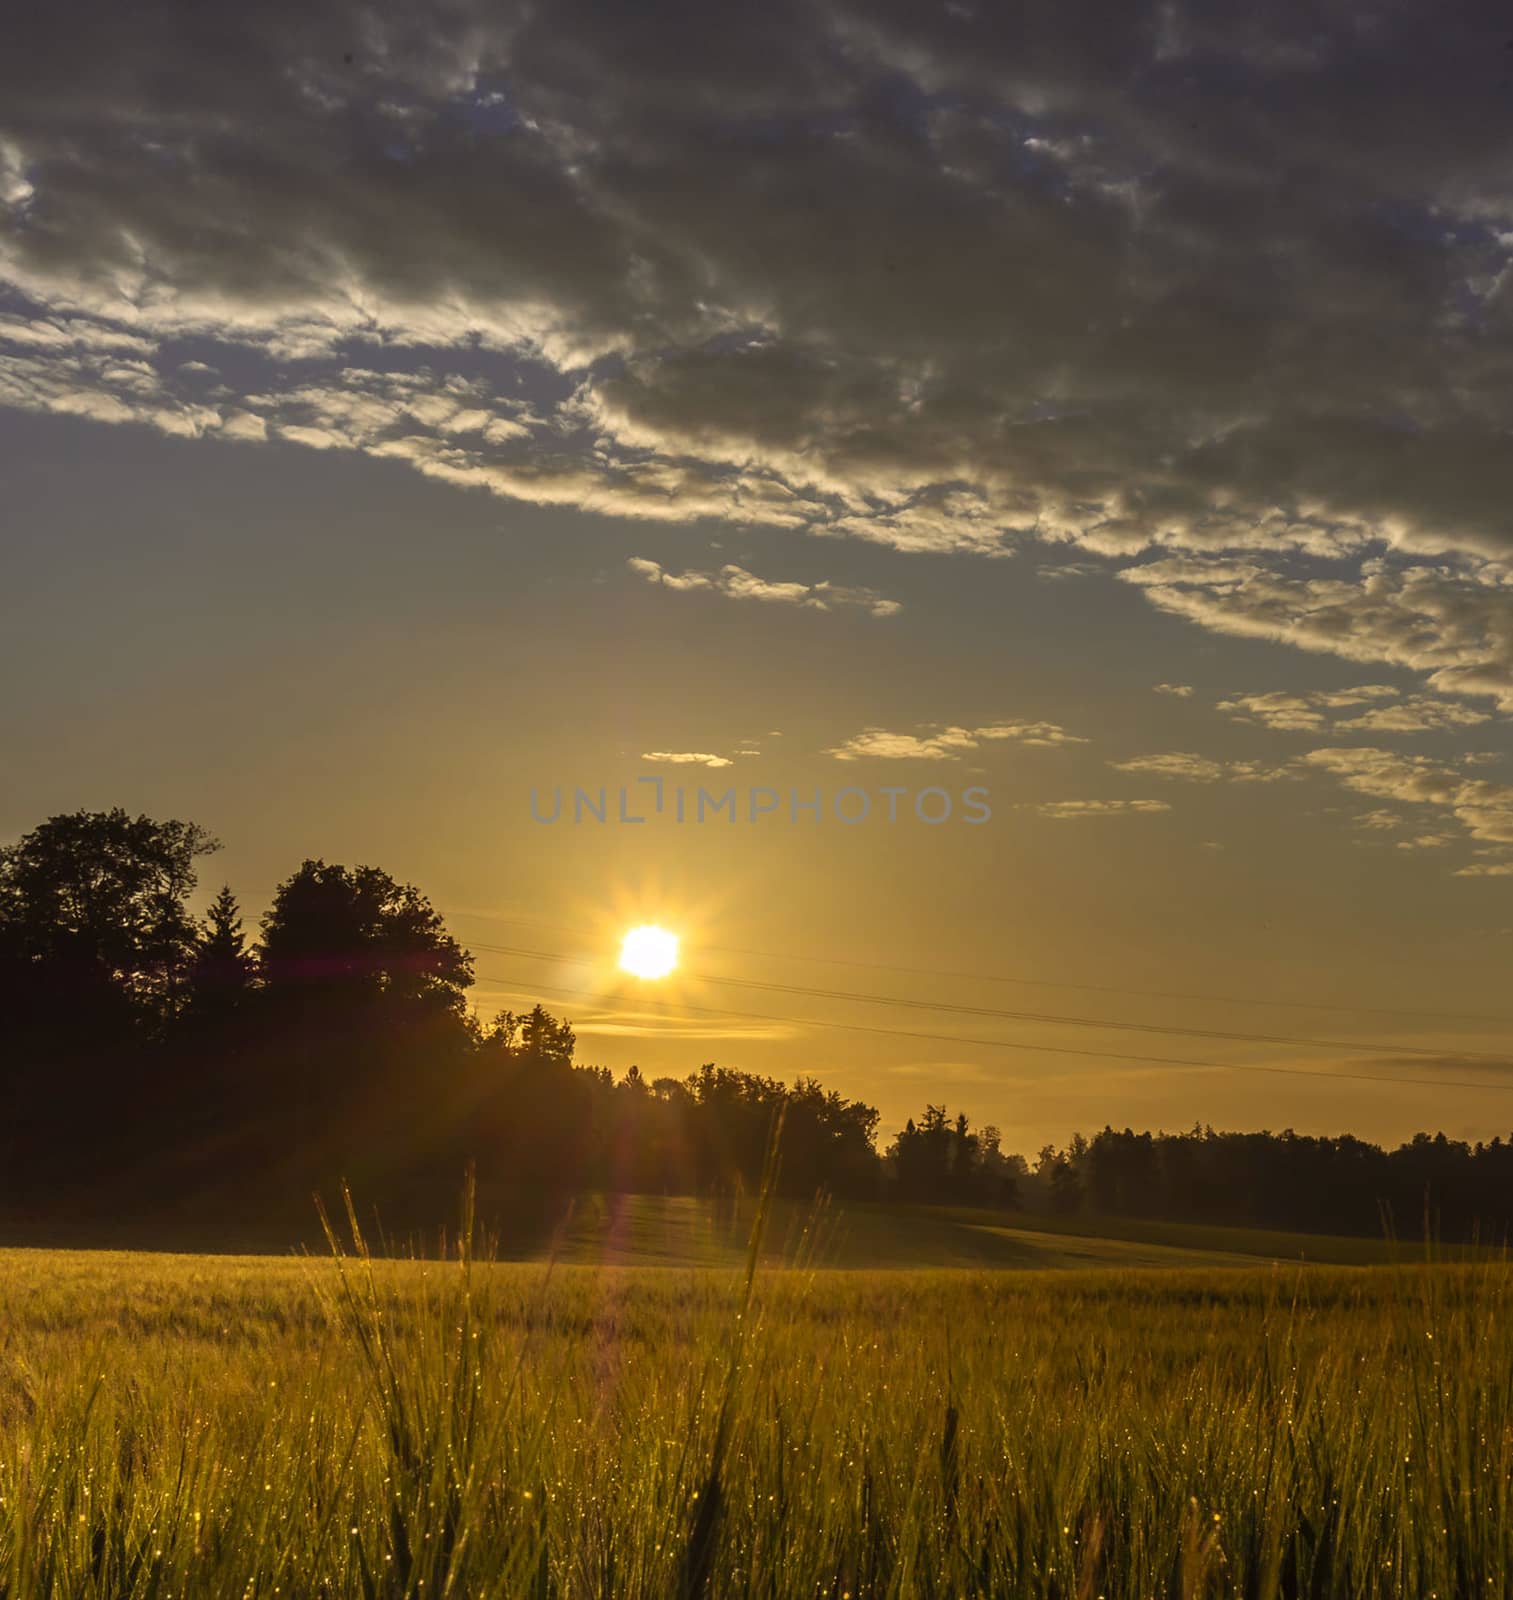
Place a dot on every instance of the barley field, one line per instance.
(342, 1425)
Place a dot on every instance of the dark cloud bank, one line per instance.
(1220, 297)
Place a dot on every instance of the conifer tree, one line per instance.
(223, 967)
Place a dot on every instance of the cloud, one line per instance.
(942, 278)
(1451, 621)
(1031, 733)
(736, 583)
(687, 758)
(71, 333)
(1062, 809)
(1379, 820)
(1184, 764)
(1313, 710)
(1418, 714)
(1174, 764)
(1483, 808)
(948, 744)
(1061, 571)
(1182, 691)
(658, 1025)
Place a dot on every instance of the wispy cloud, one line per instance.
(1369, 708)
(1483, 808)
(1063, 809)
(1184, 764)
(1449, 619)
(736, 583)
(689, 758)
(1060, 572)
(948, 743)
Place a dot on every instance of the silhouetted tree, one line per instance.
(145, 1059)
(1066, 1186)
(364, 1019)
(532, 1035)
(942, 1161)
(95, 946)
(223, 967)
(98, 897)
(334, 930)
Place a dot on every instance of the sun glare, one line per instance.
(649, 951)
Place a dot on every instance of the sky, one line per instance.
(408, 409)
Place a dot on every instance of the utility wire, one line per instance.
(1041, 983)
(1050, 1019)
(527, 987)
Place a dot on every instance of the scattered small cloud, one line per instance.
(1060, 572)
(1368, 708)
(948, 743)
(1183, 691)
(1032, 733)
(687, 758)
(1483, 808)
(1098, 808)
(1260, 772)
(736, 583)
(1185, 765)
(1306, 712)
(1447, 618)
(1419, 714)
(1174, 764)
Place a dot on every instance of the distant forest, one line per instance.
(154, 1063)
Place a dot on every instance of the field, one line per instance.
(653, 1231)
(177, 1425)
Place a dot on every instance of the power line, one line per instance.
(523, 987)
(1044, 983)
(1050, 1019)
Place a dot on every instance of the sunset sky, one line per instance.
(403, 407)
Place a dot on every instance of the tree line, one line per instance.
(155, 1061)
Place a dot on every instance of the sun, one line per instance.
(649, 951)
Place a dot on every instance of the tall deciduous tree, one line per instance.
(96, 942)
(356, 930)
(98, 896)
(364, 1003)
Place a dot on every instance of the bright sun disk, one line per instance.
(649, 951)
